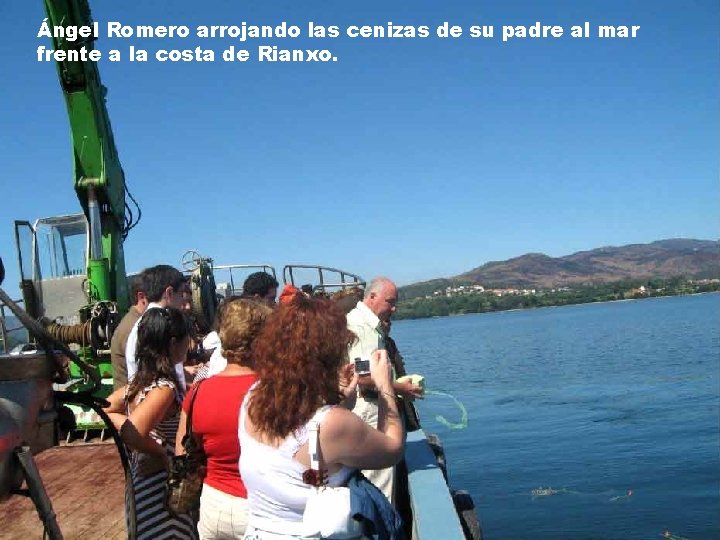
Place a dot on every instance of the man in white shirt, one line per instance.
(377, 305)
(165, 286)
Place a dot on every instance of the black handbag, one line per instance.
(187, 471)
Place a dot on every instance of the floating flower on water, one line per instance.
(543, 492)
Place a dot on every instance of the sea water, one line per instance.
(614, 406)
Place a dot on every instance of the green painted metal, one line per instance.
(98, 179)
(98, 277)
(96, 162)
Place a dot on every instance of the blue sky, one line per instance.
(414, 158)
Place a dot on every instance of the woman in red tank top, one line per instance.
(223, 503)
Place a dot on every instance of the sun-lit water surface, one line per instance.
(594, 401)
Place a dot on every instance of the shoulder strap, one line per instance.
(314, 442)
(188, 420)
(244, 407)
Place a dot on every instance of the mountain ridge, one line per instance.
(673, 257)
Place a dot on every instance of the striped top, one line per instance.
(153, 521)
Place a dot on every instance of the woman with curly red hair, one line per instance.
(299, 356)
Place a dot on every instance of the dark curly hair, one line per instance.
(156, 329)
(259, 284)
(298, 355)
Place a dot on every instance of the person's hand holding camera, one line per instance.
(348, 380)
(381, 371)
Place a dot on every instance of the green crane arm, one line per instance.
(99, 180)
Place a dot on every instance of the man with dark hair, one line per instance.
(165, 286)
(139, 301)
(260, 285)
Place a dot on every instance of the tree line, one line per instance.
(459, 304)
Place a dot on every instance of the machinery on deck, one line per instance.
(73, 284)
(74, 290)
(72, 267)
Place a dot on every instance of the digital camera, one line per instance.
(362, 367)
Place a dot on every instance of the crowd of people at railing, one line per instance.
(273, 400)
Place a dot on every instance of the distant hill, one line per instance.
(661, 259)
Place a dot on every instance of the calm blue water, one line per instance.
(591, 400)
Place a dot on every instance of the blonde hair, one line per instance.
(241, 321)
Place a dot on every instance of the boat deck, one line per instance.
(86, 485)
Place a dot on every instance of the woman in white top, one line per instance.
(299, 356)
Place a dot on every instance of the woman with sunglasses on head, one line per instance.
(147, 411)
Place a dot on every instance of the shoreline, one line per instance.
(555, 306)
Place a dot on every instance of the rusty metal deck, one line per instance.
(86, 485)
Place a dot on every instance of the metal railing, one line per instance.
(434, 513)
(346, 279)
(237, 290)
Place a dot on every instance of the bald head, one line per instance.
(381, 297)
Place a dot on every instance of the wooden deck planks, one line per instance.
(86, 485)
